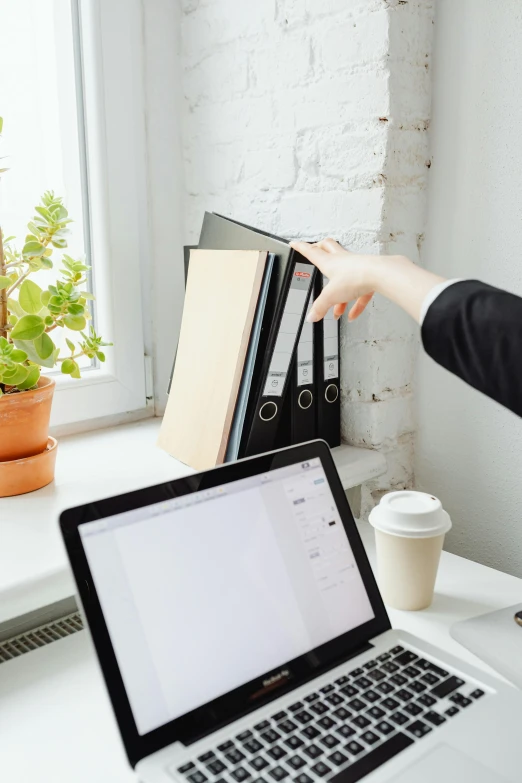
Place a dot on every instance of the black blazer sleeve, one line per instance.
(475, 332)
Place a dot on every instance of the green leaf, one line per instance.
(5, 282)
(75, 309)
(43, 212)
(100, 355)
(18, 356)
(14, 307)
(30, 297)
(70, 344)
(75, 322)
(48, 320)
(76, 372)
(28, 328)
(59, 242)
(30, 350)
(46, 262)
(68, 366)
(44, 346)
(33, 249)
(46, 295)
(31, 380)
(19, 376)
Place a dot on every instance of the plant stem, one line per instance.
(3, 293)
(18, 282)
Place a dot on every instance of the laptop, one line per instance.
(242, 637)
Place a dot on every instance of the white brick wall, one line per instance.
(309, 118)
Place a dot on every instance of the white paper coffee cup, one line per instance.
(409, 534)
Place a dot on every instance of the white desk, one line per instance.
(56, 724)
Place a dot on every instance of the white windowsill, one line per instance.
(33, 567)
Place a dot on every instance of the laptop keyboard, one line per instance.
(344, 730)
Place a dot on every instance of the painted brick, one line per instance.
(342, 46)
(320, 213)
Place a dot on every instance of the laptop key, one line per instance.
(357, 705)
(363, 682)
(413, 709)
(258, 763)
(460, 700)
(342, 680)
(295, 742)
(390, 704)
(235, 756)
(240, 774)
(271, 736)
(384, 657)
(370, 665)
(277, 752)
(357, 672)
(446, 687)
(296, 762)
(346, 731)
(384, 727)
(399, 718)
(303, 778)
(310, 732)
(419, 729)
(342, 713)
(303, 717)
(430, 679)
(354, 748)
(377, 675)
(399, 680)
(253, 746)
(411, 671)
(287, 726)
(376, 712)
(417, 687)
(451, 712)
(327, 688)
(397, 650)
(349, 691)
(216, 767)
(278, 716)
(370, 737)
(258, 727)
(298, 705)
(330, 741)
(438, 671)
(313, 751)
(227, 745)
(404, 695)
(426, 700)
(385, 687)
(326, 722)
(434, 717)
(244, 736)
(334, 699)
(321, 769)
(197, 777)
(338, 758)
(186, 767)
(477, 693)
(278, 773)
(361, 722)
(207, 757)
(367, 764)
(390, 667)
(319, 708)
(405, 658)
(311, 698)
(372, 696)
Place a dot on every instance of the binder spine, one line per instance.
(268, 411)
(303, 396)
(327, 334)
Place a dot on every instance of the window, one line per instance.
(70, 76)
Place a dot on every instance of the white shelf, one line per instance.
(33, 565)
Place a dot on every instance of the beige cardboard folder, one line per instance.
(220, 302)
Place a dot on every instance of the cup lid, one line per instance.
(411, 515)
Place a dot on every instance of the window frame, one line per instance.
(109, 65)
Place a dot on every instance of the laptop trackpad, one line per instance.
(447, 763)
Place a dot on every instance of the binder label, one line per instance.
(330, 344)
(287, 336)
(305, 354)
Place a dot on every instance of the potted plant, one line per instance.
(30, 319)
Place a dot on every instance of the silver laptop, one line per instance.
(242, 637)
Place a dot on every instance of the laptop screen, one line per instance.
(205, 592)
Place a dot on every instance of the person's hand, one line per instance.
(351, 277)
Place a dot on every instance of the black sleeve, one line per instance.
(475, 332)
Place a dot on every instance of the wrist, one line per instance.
(385, 271)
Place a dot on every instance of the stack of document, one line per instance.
(249, 373)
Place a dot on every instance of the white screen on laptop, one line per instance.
(204, 593)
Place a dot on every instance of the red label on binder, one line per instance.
(302, 274)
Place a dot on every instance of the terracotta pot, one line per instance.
(19, 476)
(24, 421)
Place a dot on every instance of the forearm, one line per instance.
(404, 283)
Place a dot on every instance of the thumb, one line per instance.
(322, 304)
